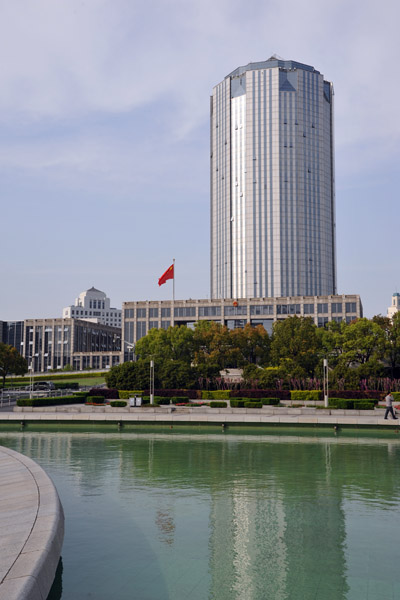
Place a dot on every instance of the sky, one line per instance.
(104, 140)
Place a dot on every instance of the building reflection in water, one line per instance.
(277, 527)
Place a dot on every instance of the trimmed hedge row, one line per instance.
(256, 394)
(348, 404)
(218, 404)
(126, 394)
(358, 395)
(243, 402)
(215, 395)
(305, 395)
(50, 401)
(95, 400)
(118, 403)
(110, 394)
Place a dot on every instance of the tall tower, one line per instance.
(272, 182)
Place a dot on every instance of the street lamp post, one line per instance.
(152, 382)
(326, 383)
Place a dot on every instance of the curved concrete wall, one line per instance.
(31, 526)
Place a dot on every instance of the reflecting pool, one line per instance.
(223, 516)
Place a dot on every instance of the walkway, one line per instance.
(32, 528)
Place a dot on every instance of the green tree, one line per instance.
(131, 376)
(390, 348)
(11, 362)
(363, 340)
(250, 345)
(175, 343)
(296, 346)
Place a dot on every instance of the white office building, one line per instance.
(94, 305)
(395, 306)
(272, 183)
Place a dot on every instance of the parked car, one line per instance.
(44, 385)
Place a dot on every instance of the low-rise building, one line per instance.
(140, 317)
(93, 305)
(55, 343)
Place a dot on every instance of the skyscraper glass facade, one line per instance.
(272, 183)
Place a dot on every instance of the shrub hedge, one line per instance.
(161, 400)
(256, 394)
(192, 394)
(357, 395)
(110, 394)
(118, 403)
(95, 400)
(237, 402)
(305, 395)
(178, 399)
(253, 405)
(126, 394)
(345, 403)
(215, 395)
(50, 401)
(270, 401)
(218, 404)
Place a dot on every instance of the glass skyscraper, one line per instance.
(272, 182)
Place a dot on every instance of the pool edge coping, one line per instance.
(33, 566)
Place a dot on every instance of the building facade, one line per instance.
(12, 333)
(272, 182)
(140, 317)
(395, 306)
(55, 343)
(94, 305)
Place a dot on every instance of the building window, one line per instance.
(281, 309)
(165, 312)
(141, 313)
(140, 329)
(153, 324)
(129, 313)
(153, 313)
(351, 307)
(322, 308)
(337, 307)
(209, 311)
(236, 323)
(235, 310)
(309, 309)
(322, 321)
(165, 324)
(262, 309)
(185, 311)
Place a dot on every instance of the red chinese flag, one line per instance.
(169, 274)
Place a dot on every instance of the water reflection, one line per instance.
(220, 516)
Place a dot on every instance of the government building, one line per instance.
(140, 317)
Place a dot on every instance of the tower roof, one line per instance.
(270, 63)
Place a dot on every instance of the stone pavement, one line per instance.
(201, 415)
(32, 528)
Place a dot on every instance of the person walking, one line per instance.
(389, 408)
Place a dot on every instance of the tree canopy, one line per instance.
(11, 362)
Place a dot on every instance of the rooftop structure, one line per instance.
(94, 305)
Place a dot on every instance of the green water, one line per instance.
(223, 516)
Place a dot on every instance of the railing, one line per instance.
(9, 396)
